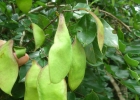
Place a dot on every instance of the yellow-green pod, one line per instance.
(60, 54)
(48, 90)
(31, 82)
(77, 70)
(8, 67)
(24, 5)
(39, 36)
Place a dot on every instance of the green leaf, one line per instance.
(24, 5)
(20, 51)
(79, 14)
(71, 96)
(43, 21)
(48, 90)
(137, 88)
(76, 76)
(60, 54)
(120, 34)
(136, 97)
(31, 82)
(92, 96)
(39, 36)
(113, 2)
(114, 70)
(100, 29)
(130, 84)
(90, 53)
(111, 39)
(133, 47)
(98, 54)
(130, 61)
(8, 67)
(87, 32)
(20, 87)
(137, 1)
(2, 7)
(134, 74)
(122, 46)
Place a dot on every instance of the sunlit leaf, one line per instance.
(130, 61)
(24, 5)
(111, 39)
(137, 1)
(134, 74)
(120, 34)
(122, 46)
(8, 67)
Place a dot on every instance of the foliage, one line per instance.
(108, 30)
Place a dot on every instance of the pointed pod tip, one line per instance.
(61, 19)
(61, 16)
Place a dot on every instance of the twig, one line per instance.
(109, 14)
(38, 9)
(49, 5)
(124, 91)
(13, 8)
(50, 23)
(21, 39)
(115, 85)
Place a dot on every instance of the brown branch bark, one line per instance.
(119, 21)
(116, 87)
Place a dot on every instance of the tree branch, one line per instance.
(50, 23)
(115, 85)
(38, 9)
(51, 5)
(109, 14)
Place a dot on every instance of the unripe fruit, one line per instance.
(31, 92)
(77, 70)
(48, 90)
(8, 67)
(2, 42)
(21, 61)
(60, 54)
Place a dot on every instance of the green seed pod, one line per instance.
(78, 65)
(48, 90)
(31, 82)
(24, 5)
(39, 36)
(60, 54)
(8, 67)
